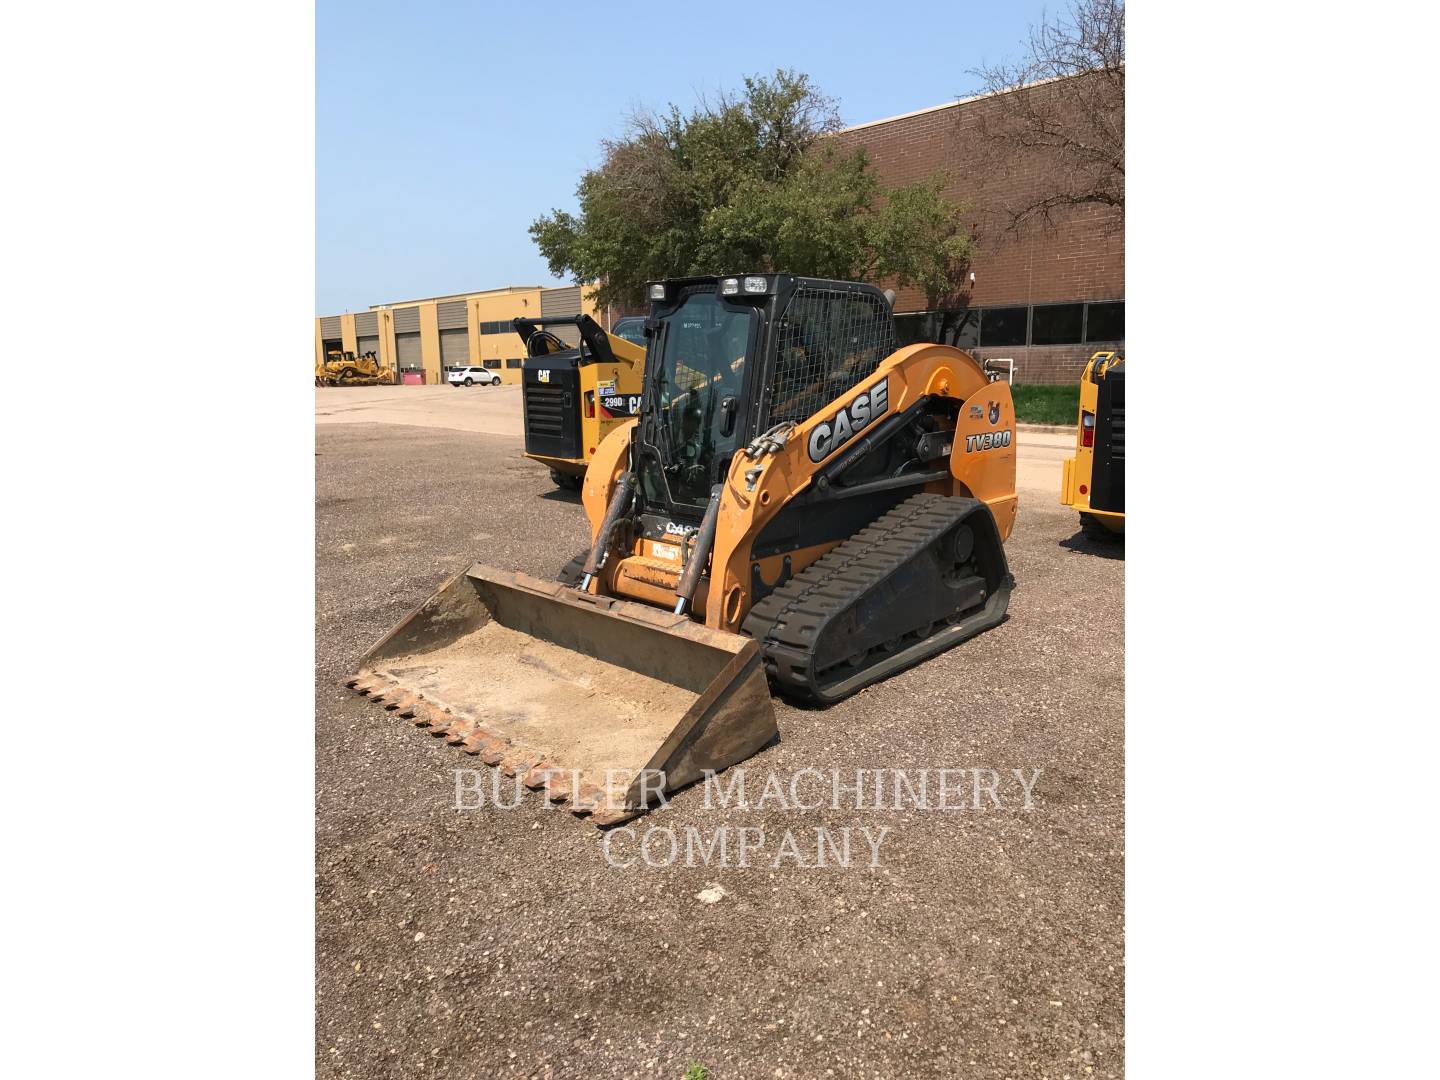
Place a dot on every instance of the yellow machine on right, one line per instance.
(1094, 480)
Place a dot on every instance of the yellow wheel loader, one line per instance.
(798, 502)
(345, 369)
(575, 395)
(1094, 479)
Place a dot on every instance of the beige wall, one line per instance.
(501, 307)
(386, 327)
(430, 342)
(497, 305)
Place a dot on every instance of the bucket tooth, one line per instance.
(606, 818)
(559, 785)
(425, 714)
(588, 799)
(444, 722)
(494, 754)
(519, 762)
(482, 739)
(538, 777)
(405, 707)
(459, 731)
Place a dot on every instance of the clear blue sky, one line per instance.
(443, 129)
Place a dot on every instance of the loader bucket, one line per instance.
(604, 703)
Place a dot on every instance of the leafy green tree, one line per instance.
(750, 182)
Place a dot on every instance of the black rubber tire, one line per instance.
(469, 381)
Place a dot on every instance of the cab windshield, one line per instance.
(697, 390)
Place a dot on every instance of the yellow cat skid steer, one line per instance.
(575, 395)
(1094, 479)
(798, 502)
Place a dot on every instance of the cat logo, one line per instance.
(994, 412)
(543, 375)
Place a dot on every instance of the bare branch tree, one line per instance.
(1061, 117)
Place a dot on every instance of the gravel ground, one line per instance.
(500, 942)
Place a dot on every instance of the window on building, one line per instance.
(1105, 322)
(1003, 326)
(514, 363)
(492, 364)
(497, 326)
(958, 328)
(1057, 324)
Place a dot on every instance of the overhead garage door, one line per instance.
(555, 302)
(454, 335)
(407, 351)
(560, 301)
(367, 334)
(330, 327)
(454, 348)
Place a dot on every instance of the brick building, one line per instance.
(1047, 298)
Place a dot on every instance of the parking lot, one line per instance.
(981, 943)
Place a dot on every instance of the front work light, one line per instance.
(729, 287)
(755, 284)
(657, 291)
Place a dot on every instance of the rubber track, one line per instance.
(790, 621)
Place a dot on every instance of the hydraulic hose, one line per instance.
(700, 553)
(618, 504)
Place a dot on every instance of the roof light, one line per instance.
(729, 287)
(657, 291)
(755, 284)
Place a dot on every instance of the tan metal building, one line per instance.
(421, 339)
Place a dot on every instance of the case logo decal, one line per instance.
(829, 435)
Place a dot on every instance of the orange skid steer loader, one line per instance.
(799, 503)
